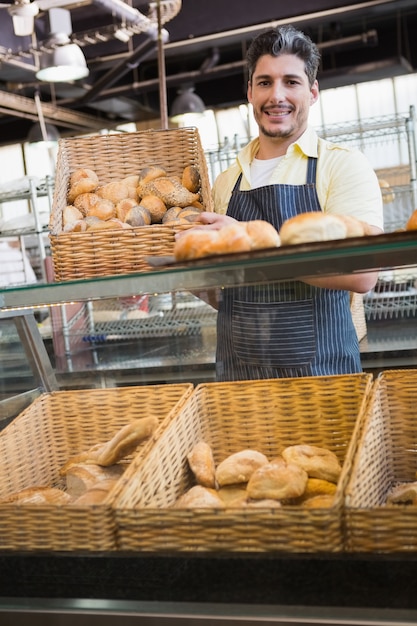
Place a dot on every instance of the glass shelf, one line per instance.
(334, 257)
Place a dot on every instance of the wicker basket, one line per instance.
(265, 415)
(53, 428)
(386, 456)
(112, 157)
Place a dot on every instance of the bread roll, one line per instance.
(319, 502)
(123, 207)
(96, 494)
(201, 498)
(266, 503)
(189, 214)
(412, 221)
(169, 190)
(79, 226)
(138, 216)
(83, 172)
(155, 206)
(80, 478)
(316, 461)
(319, 487)
(202, 465)
(191, 178)
(84, 185)
(277, 481)
(38, 495)
(148, 173)
(171, 214)
(114, 191)
(262, 235)
(239, 467)
(71, 214)
(314, 226)
(124, 442)
(195, 244)
(233, 238)
(404, 493)
(85, 201)
(103, 209)
(233, 495)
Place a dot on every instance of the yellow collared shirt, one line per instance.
(346, 183)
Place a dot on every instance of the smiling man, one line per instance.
(297, 328)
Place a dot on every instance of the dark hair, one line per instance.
(285, 40)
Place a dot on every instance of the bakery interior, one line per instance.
(135, 60)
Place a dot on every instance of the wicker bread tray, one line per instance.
(109, 252)
(386, 456)
(41, 439)
(267, 416)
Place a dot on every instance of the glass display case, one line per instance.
(181, 588)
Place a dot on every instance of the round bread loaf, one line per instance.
(114, 191)
(83, 172)
(262, 235)
(155, 206)
(277, 481)
(201, 498)
(318, 462)
(83, 185)
(239, 467)
(138, 216)
(123, 207)
(171, 214)
(103, 209)
(314, 226)
(191, 178)
(85, 201)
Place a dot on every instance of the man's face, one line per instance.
(281, 96)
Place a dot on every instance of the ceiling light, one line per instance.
(23, 17)
(187, 102)
(35, 133)
(65, 63)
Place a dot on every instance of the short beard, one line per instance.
(279, 134)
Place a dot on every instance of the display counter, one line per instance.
(254, 588)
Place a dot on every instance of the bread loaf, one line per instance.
(191, 178)
(234, 237)
(201, 498)
(80, 478)
(38, 495)
(277, 481)
(169, 190)
(318, 462)
(239, 467)
(201, 463)
(314, 226)
(124, 442)
(155, 206)
(96, 494)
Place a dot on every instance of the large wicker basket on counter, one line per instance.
(113, 157)
(386, 456)
(265, 415)
(42, 438)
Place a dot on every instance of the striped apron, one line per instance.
(283, 329)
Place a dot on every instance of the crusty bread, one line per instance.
(314, 226)
(233, 495)
(318, 462)
(201, 498)
(169, 190)
(138, 216)
(38, 495)
(202, 465)
(191, 178)
(239, 467)
(103, 209)
(155, 206)
(234, 237)
(114, 191)
(354, 227)
(81, 173)
(83, 185)
(80, 478)
(123, 443)
(71, 214)
(403, 493)
(277, 481)
(319, 502)
(96, 494)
